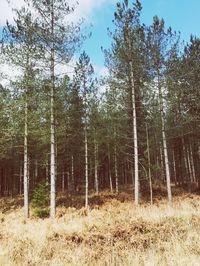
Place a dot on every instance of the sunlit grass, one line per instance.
(114, 233)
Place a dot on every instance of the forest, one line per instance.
(139, 125)
(133, 133)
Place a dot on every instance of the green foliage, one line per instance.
(40, 200)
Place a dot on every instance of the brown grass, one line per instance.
(113, 232)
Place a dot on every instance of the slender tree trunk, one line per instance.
(109, 170)
(20, 178)
(167, 171)
(96, 167)
(52, 164)
(72, 175)
(63, 181)
(187, 173)
(36, 171)
(135, 138)
(149, 165)
(116, 171)
(29, 172)
(47, 171)
(86, 169)
(68, 182)
(192, 163)
(174, 167)
(26, 200)
(162, 163)
(125, 173)
(189, 165)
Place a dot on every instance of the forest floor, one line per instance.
(112, 232)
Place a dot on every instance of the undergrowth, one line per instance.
(112, 233)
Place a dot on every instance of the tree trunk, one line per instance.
(63, 181)
(149, 165)
(162, 163)
(86, 169)
(109, 170)
(36, 171)
(72, 175)
(116, 171)
(135, 138)
(68, 182)
(20, 179)
(192, 163)
(166, 160)
(26, 200)
(52, 163)
(174, 167)
(47, 172)
(185, 162)
(96, 167)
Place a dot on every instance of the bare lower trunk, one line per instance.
(26, 201)
(189, 165)
(36, 171)
(86, 169)
(72, 175)
(96, 167)
(192, 164)
(187, 173)
(116, 172)
(149, 166)
(109, 170)
(68, 182)
(20, 179)
(166, 160)
(63, 181)
(167, 172)
(135, 138)
(174, 166)
(47, 172)
(162, 163)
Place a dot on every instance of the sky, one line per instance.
(181, 15)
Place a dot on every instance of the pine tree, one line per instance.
(126, 59)
(21, 49)
(60, 40)
(160, 43)
(84, 72)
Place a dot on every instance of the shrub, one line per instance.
(40, 200)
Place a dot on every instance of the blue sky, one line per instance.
(183, 15)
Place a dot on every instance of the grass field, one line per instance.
(112, 232)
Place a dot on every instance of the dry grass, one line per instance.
(114, 233)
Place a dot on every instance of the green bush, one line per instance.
(41, 200)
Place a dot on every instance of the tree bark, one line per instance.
(26, 199)
(72, 175)
(52, 163)
(86, 169)
(96, 167)
(109, 170)
(116, 171)
(135, 138)
(149, 165)
(164, 140)
(20, 179)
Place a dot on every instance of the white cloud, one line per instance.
(83, 10)
(6, 10)
(101, 71)
(8, 73)
(86, 7)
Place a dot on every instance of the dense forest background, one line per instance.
(137, 126)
